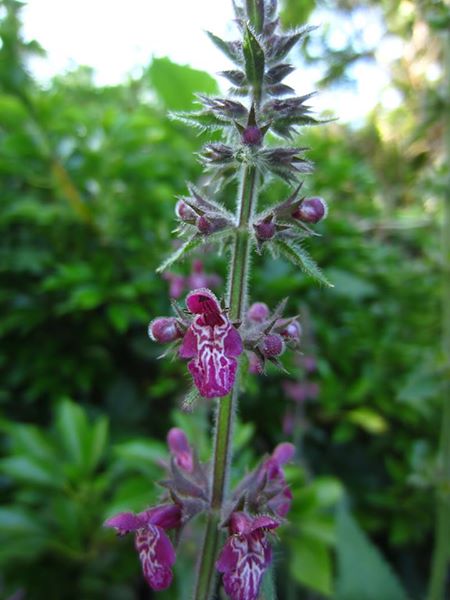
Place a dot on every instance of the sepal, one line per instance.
(233, 50)
(279, 46)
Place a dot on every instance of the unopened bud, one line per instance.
(179, 447)
(204, 225)
(284, 453)
(311, 210)
(265, 230)
(272, 345)
(292, 331)
(252, 136)
(184, 212)
(258, 312)
(164, 330)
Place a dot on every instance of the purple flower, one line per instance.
(311, 210)
(176, 284)
(164, 330)
(180, 449)
(197, 279)
(212, 342)
(258, 312)
(252, 136)
(155, 550)
(276, 486)
(246, 555)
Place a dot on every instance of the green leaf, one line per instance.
(28, 439)
(176, 85)
(185, 248)
(320, 527)
(32, 471)
(369, 420)
(21, 535)
(98, 441)
(363, 573)
(300, 257)
(141, 451)
(311, 564)
(253, 58)
(351, 285)
(71, 425)
(268, 590)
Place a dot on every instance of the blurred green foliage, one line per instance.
(89, 177)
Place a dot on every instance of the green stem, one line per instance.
(226, 407)
(441, 554)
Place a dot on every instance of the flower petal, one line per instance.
(180, 449)
(228, 558)
(125, 522)
(188, 348)
(263, 522)
(164, 515)
(244, 581)
(213, 374)
(284, 453)
(202, 301)
(233, 343)
(157, 556)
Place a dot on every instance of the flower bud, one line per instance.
(258, 312)
(180, 449)
(252, 136)
(204, 225)
(272, 345)
(164, 330)
(284, 453)
(265, 230)
(292, 331)
(311, 210)
(184, 212)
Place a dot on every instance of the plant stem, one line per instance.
(226, 407)
(441, 554)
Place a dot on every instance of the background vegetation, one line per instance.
(89, 177)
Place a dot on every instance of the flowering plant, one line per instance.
(213, 334)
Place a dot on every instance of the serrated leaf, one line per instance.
(285, 43)
(300, 257)
(253, 59)
(363, 573)
(188, 246)
(205, 121)
(230, 49)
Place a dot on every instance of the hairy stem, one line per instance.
(226, 407)
(441, 554)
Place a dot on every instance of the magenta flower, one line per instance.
(212, 342)
(277, 488)
(246, 555)
(180, 449)
(155, 550)
(197, 279)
